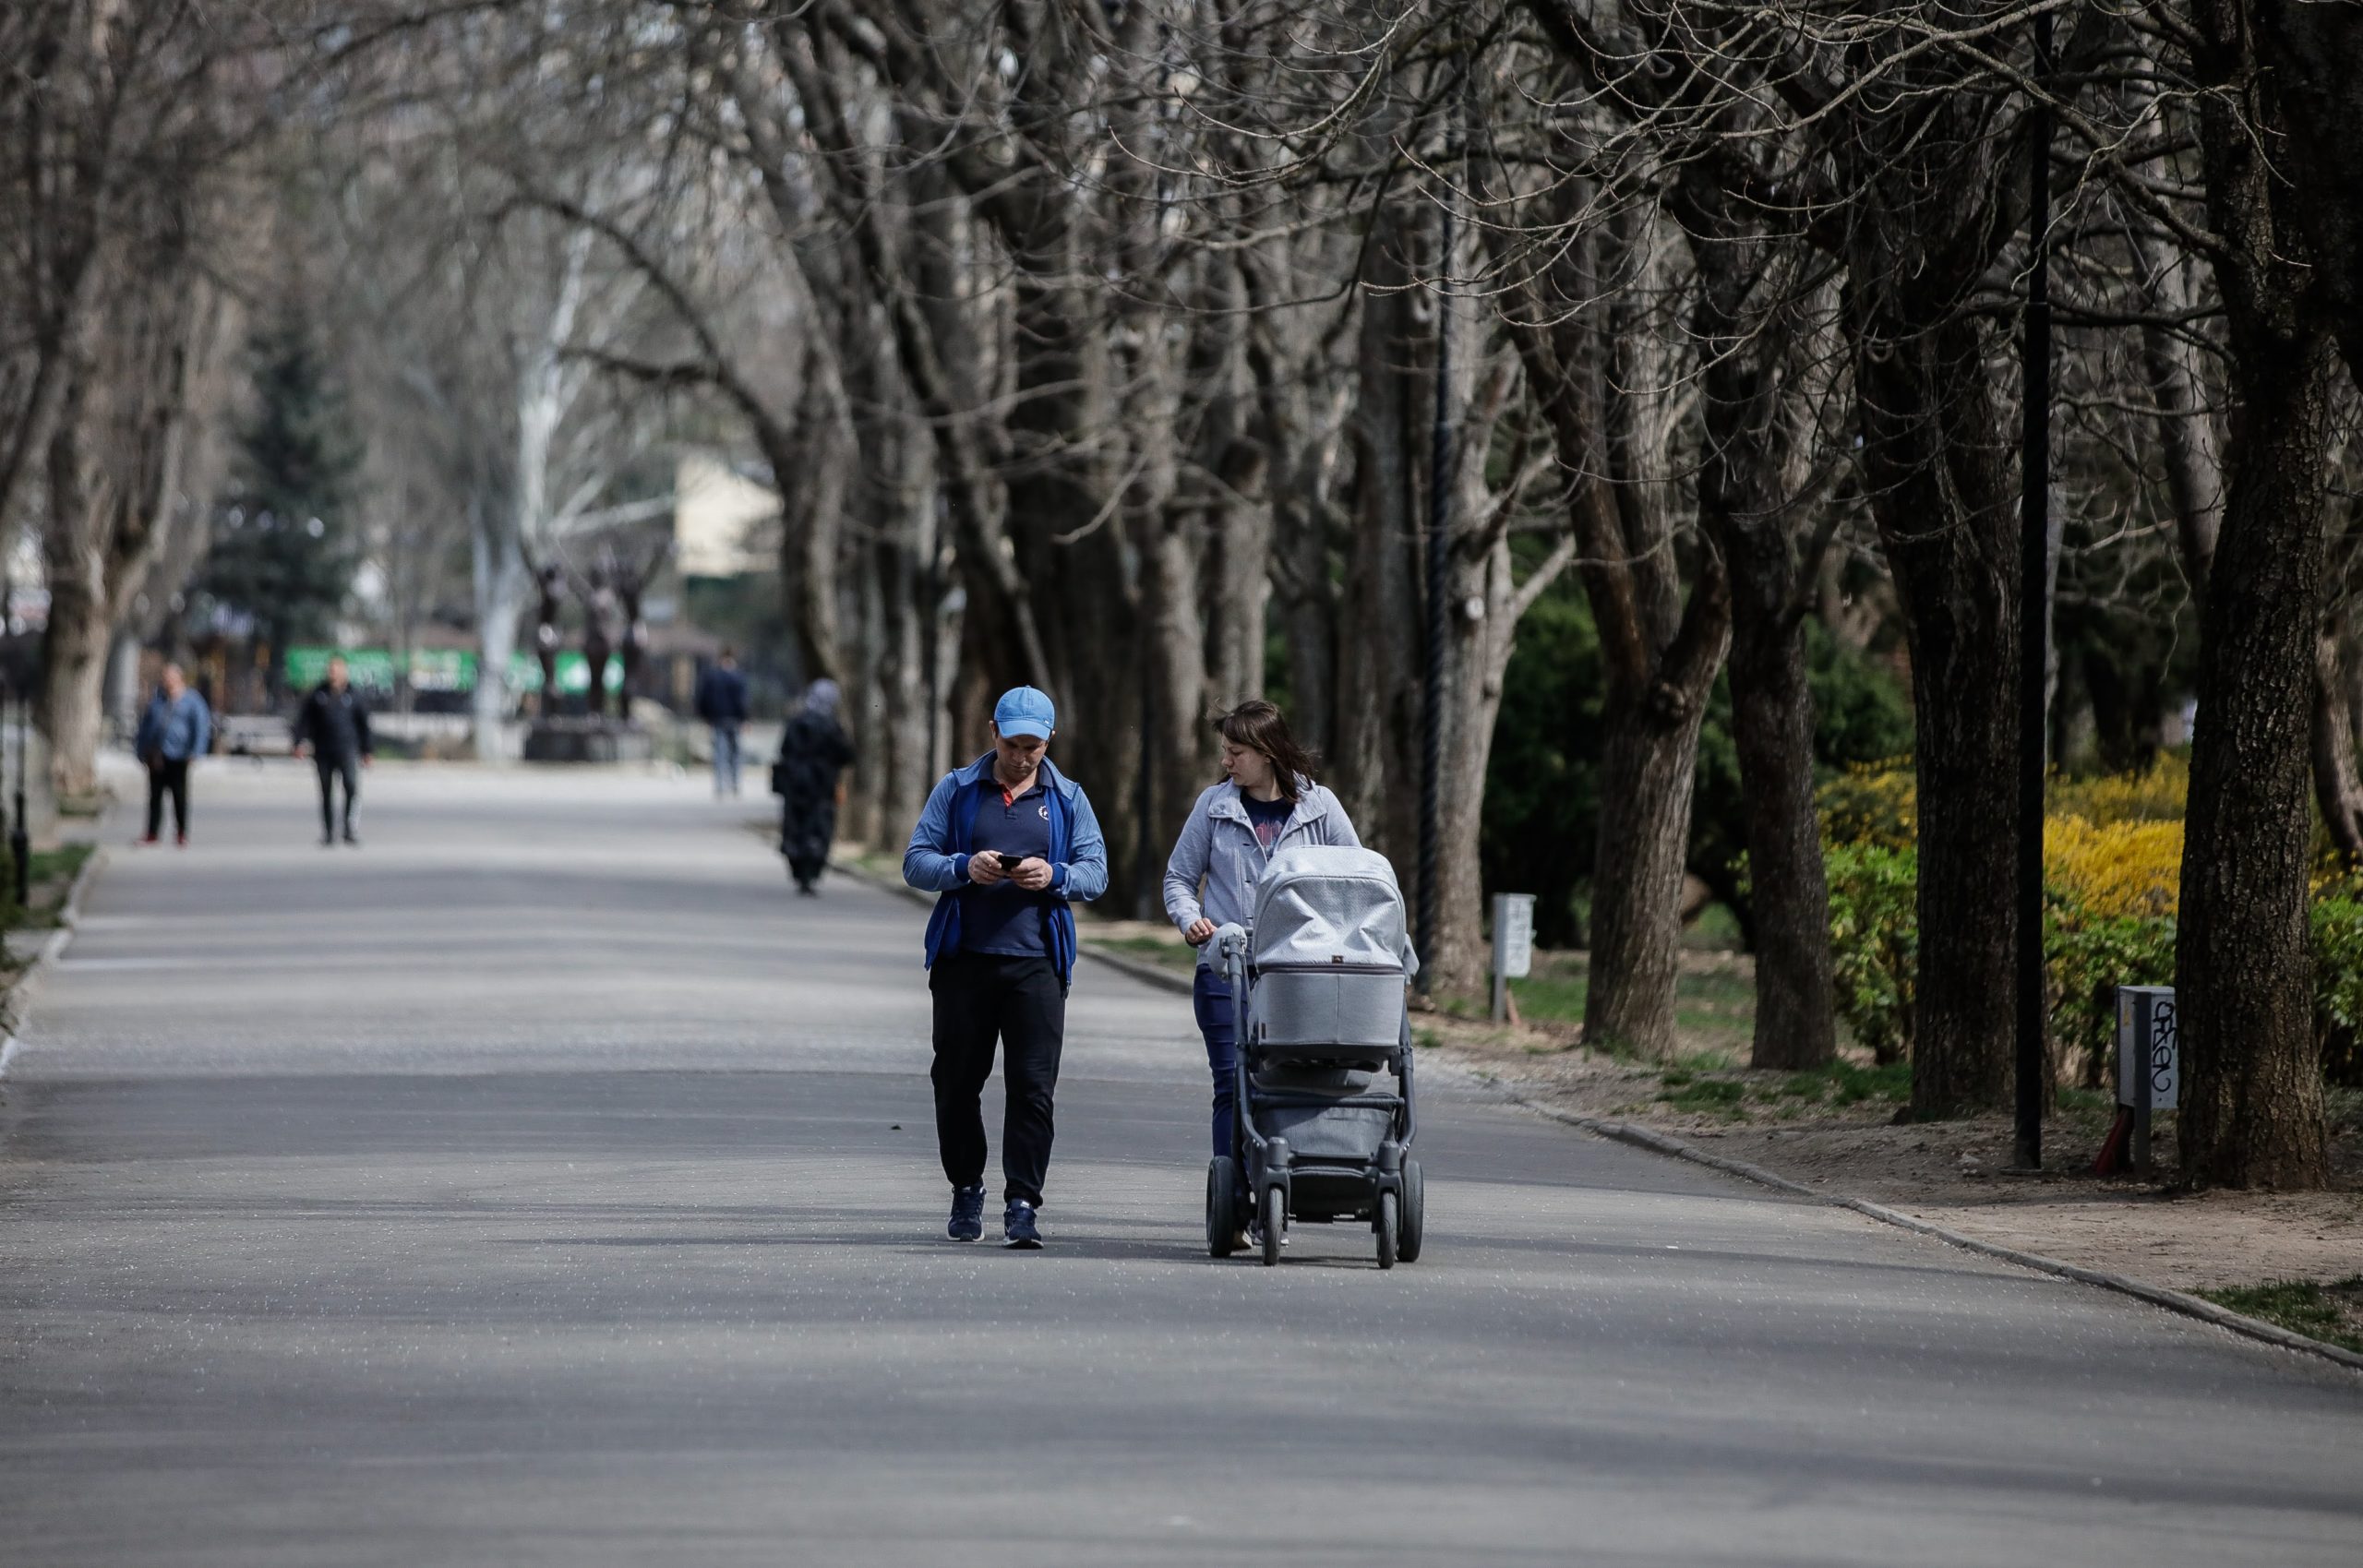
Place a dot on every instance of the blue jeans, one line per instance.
(1210, 999)
(726, 758)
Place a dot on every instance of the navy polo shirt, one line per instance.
(1006, 918)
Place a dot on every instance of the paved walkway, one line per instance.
(544, 1184)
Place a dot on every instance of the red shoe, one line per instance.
(145, 839)
(181, 840)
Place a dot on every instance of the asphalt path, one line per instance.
(542, 1183)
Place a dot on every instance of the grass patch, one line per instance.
(2332, 1311)
(50, 874)
(1844, 1083)
(63, 863)
(1685, 1090)
(1714, 1010)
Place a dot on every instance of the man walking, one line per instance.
(722, 704)
(177, 727)
(1012, 844)
(336, 726)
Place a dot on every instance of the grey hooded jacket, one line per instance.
(1219, 848)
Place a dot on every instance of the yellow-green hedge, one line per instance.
(2111, 859)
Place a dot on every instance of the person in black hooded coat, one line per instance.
(813, 755)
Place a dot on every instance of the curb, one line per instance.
(2179, 1301)
(1141, 969)
(69, 915)
(1138, 968)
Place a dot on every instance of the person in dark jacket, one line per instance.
(722, 703)
(336, 726)
(176, 729)
(813, 756)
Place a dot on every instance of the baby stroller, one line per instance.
(1318, 986)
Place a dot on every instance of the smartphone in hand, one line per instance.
(1009, 863)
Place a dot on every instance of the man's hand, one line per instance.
(984, 869)
(1032, 875)
(1200, 932)
(296, 751)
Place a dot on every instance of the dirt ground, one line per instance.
(1957, 1174)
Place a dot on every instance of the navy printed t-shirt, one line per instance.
(1267, 817)
(1006, 918)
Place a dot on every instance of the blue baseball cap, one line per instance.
(1024, 711)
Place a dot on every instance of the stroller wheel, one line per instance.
(1222, 1204)
(1276, 1222)
(1412, 1228)
(1386, 1230)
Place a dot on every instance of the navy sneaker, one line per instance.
(967, 1214)
(1017, 1227)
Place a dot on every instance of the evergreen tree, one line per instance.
(284, 550)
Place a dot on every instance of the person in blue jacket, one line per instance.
(177, 727)
(1012, 845)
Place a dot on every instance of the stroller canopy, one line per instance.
(1325, 904)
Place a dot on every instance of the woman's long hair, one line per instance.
(1259, 727)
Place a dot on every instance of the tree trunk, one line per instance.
(1749, 504)
(74, 646)
(2252, 1109)
(1377, 714)
(1934, 456)
(500, 582)
(2338, 790)
(1648, 761)
(1789, 894)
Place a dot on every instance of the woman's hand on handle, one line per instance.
(1201, 930)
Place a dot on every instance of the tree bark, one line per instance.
(1772, 718)
(1750, 482)
(74, 646)
(1377, 715)
(2338, 789)
(1934, 456)
(2314, 53)
(2252, 1108)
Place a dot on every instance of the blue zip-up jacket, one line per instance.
(937, 860)
(174, 730)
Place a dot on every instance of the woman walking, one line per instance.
(813, 756)
(1267, 802)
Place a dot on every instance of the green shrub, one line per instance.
(2086, 955)
(1875, 942)
(2336, 920)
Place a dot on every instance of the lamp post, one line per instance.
(1439, 584)
(2035, 616)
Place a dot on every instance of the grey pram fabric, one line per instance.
(1330, 958)
(1328, 903)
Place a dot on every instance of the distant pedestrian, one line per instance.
(1012, 845)
(809, 779)
(336, 726)
(176, 729)
(722, 704)
(1266, 801)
